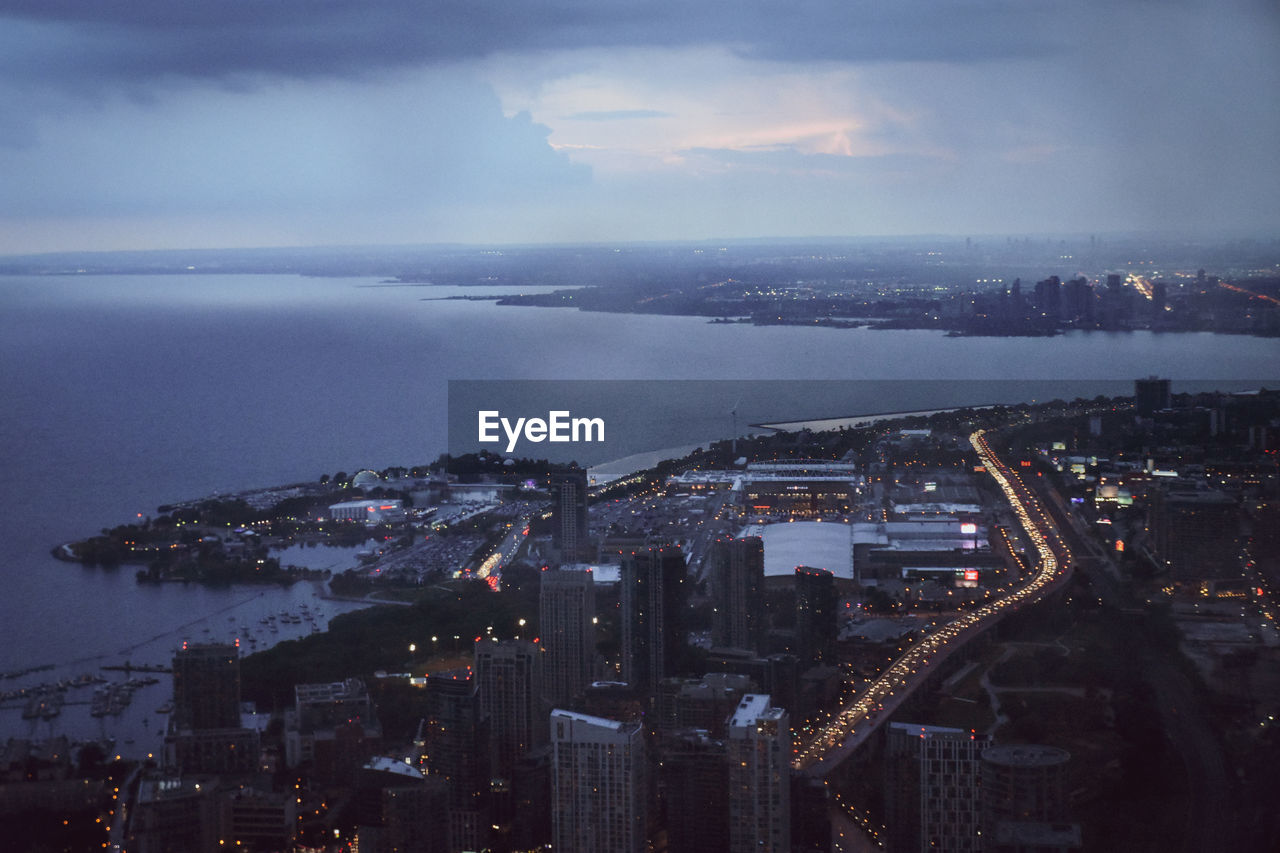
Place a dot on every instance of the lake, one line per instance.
(122, 393)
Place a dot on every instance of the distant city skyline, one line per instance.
(152, 125)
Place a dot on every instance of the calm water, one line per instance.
(124, 392)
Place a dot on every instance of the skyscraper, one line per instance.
(932, 791)
(453, 742)
(1049, 299)
(759, 777)
(204, 734)
(206, 687)
(598, 787)
(1195, 535)
(566, 613)
(569, 514)
(693, 782)
(508, 678)
(1150, 395)
(816, 604)
(736, 569)
(654, 594)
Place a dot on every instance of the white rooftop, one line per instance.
(753, 707)
(390, 765)
(818, 544)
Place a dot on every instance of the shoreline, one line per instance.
(856, 421)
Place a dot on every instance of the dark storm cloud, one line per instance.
(445, 142)
(81, 41)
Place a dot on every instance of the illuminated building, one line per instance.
(206, 686)
(598, 784)
(508, 679)
(654, 594)
(569, 514)
(172, 814)
(454, 739)
(1077, 301)
(816, 604)
(228, 750)
(369, 512)
(802, 487)
(1195, 535)
(759, 747)
(736, 569)
(1048, 299)
(205, 735)
(932, 790)
(566, 614)
(256, 820)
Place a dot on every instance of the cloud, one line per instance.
(615, 115)
(419, 144)
(85, 43)
(377, 120)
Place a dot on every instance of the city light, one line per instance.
(897, 676)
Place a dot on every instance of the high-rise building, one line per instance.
(569, 514)
(1023, 783)
(508, 687)
(816, 604)
(759, 749)
(1150, 395)
(1195, 535)
(566, 623)
(736, 569)
(206, 686)
(598, 784)
(654, 593)
(1077, 301)
(932, 790)
(693, 783)
(205, 735)
(1116, 302)
(1049, 299)
(531, 800)
(454, 746)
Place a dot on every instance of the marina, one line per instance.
(125, 697)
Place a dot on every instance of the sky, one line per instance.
(147, 124)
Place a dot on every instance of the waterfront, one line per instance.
(126, 392)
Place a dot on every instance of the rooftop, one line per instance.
(819, 544)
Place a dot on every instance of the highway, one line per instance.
(490, 570)
(854, 723)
